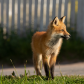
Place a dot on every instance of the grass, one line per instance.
(41, 80)
(34, 79)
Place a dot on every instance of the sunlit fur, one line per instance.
(46, 44)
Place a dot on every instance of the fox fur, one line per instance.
(46, 45)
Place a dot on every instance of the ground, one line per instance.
(64, 69)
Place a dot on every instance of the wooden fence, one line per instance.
(20, 15)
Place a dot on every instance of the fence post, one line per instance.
(35, 17)
(53, 9)
(30, 12)
(24, 15)
(72, 21)
(82, 19)
(59, 10)
(13, 13)
(65, 10)
(0, 12)
(2, 1)
(18, 25)
(41, 17)
(47, 13)
(7, 16)
(78, 17)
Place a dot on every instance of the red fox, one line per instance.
(46, 46)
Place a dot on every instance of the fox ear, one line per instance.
(63, 19)
(55, 21)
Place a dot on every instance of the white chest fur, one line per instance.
(53, 44)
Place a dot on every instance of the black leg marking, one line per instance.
(52, 71)
(46, 67)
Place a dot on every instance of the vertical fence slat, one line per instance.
(53, 9)
(81, 33)
(7, 16)
(79, 16)
(82, 19)
(30, 12)
(47, 13)
(68, 14)
(62, 8)
(59, 11)
(65, 10)
(24, 15)
(41, 17)
(13, 12)
(44, 14)
(72, 13)
(18, 25)
(0, 12)
(2, 1)
(35, 17)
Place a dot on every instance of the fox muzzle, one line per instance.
(66, 36)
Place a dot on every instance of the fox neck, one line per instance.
(53, 39)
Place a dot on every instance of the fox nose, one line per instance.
(70, 35)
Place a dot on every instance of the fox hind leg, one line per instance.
(37, 63)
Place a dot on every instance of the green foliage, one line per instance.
(15, 47)
(73, 49)
(18, 48)
(41, 80)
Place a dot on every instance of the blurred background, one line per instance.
(20, 19)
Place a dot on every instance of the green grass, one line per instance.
(41, 80)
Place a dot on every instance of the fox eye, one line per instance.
(62, 30)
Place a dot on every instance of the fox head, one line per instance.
(58, 28)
